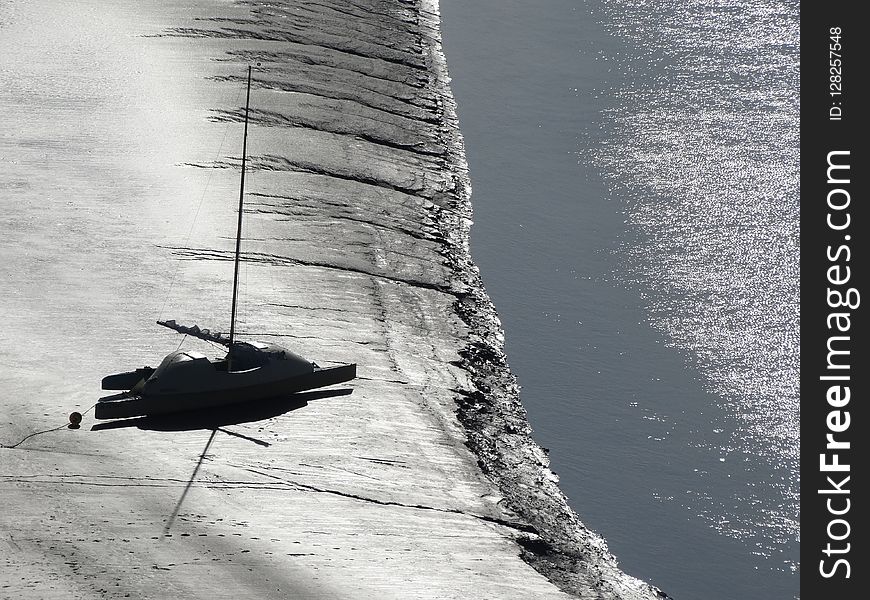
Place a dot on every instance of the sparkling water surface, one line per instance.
(635, 182)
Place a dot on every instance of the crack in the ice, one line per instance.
(398, 22)
(403, 59)
(314, 308)
(373, 32)
(419, 235)
(393, 106)
(496, 520)
(316, 203)
(226, 255)
(412, 78)
(270, 162)
(276, 119)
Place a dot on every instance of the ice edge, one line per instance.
(561, 547)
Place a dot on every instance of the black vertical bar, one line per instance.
(834, 173)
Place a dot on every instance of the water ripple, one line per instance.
(703, 153)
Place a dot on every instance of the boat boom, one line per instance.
(195, 331)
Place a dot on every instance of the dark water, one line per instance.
(634, 177)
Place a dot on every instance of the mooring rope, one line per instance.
(71, 424)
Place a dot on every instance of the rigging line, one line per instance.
(245, 305)
(198, 208)
(211, 343)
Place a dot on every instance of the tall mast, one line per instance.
(239, 229)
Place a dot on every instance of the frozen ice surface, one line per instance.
(120, 151)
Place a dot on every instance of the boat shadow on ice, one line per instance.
(215, 419)
(218, 417)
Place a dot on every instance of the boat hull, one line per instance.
(126, 405)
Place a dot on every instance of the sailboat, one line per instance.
(188, 380)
